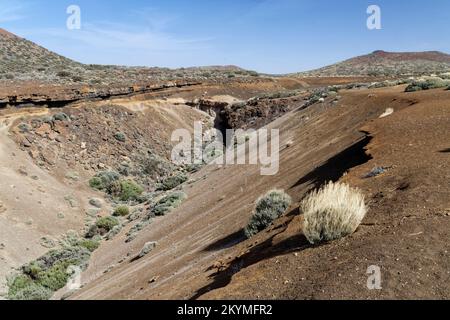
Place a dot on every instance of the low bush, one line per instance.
(103, 181)
(148, 247)
(168, 203)
(268, 208)
(121, 211)
(120, 136)
(63, 74)
(107, 223)
(24, 288)
(42, 277)
(61, 116)
(109, 182)
(172, 182)
(156, 166)
(445, 75)
(130, 191)
(24, 127)
(427, 84)
(114, 232)
(332, 212)
(90, 244)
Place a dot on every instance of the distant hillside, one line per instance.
(382, 63)
(24, 60)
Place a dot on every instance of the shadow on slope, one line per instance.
(334, 168)
(260, 252)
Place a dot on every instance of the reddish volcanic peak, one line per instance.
(408, 56)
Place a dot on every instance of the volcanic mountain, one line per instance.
(382, 63)
(23, 60)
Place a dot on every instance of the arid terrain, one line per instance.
(79, 143)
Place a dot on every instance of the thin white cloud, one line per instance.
(116, 36)
(150, 39)
(11, 11)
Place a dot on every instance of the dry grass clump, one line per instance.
(332, 212)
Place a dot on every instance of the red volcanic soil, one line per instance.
(5, 33)
(201, 253)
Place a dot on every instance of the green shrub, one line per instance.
(90, 244)
(120, 136)
(172, 182)
(104, 180)
(107, 223)
(24, 127)
(168, 203)
(121, 211)
(23, 287)
(192, 168)
(156, 166)
(427, 84)
(18, 283)
(61, 116)
(77, 255)
(130, 191)
(92, 232)
(55, 277)
(114, 232)
(49, 273)
(268, 208)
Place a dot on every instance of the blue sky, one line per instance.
(273, 36)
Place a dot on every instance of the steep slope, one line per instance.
(46, 165)
(201, 248)
(382, 63)
(26, 60)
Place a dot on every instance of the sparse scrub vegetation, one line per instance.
(103, 181)
(61, 116)
(427, 84)
(110, 182)
(41, 278)
(332, 212)
(24, 60)
(90, 244)
(121, 211)
(120, 136)
(63, 74)
(172, 182)
(107, 223)
(168, 203)
(133, 232)
(24, 127)
(268, 208)
(101, 227)
(114, 232)
(130, 191)
(148, 247)
(156, 166)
